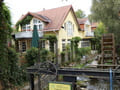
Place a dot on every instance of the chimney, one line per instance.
(43, 9)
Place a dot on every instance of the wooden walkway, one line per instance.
(77, 72)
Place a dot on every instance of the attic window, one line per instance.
(69, 28)
(38, 23)
(35, 21)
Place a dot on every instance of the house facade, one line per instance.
(61, 22)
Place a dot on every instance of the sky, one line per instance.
(21, 7)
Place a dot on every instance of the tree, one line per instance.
(5, 23)
(5, 30)
(10, 71)
(107, 11)
(96, 41)
(80, 14)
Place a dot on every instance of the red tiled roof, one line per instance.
(43, 18)
(56, 15)
(94, 24)
(82, 20)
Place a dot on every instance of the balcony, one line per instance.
(26, 30)
(89, 34)
(26, 34)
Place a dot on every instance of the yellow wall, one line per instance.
(63, 33)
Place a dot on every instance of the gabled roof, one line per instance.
(43, 18)
(82, 20)
(55, 17)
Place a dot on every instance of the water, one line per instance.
(99, 84)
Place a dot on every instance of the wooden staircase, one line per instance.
(108, 51)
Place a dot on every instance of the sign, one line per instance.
(60, 86)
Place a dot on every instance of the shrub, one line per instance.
(63, 57)
(12, 73)
(84, 51)
(44, 55)
(31, 56)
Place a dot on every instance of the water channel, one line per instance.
(97, 84)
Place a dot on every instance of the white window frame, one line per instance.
(68, 42)
(85, 43)
(69, 28)
(38, 23)
(63, 44)
(23, 46)
(26, 27)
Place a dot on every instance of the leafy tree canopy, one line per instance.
(100, 30)
(80, 14)
(107, 11)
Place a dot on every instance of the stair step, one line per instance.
(106, 58)
(107, 35)
(107, 43)
(107, 48)
(108, 62)
(107, 52)
(108, 55)
(107, 40)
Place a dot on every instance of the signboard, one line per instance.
(60, 86)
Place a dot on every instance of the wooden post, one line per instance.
(39, 76)
(39, 82)
(56, 53)
(31, 77)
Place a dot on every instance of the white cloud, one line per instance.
(19, 7)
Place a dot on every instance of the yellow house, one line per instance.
(61, 22)
(86, 30)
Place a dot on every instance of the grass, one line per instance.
(79, 66)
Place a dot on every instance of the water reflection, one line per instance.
(99, 84)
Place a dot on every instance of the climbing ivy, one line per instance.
(74, 47)
(52, 39)
(24, 21)
(5, 31)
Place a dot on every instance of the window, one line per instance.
(40, 27)
(43, 43)
(51, 46)
(63, 44)
(69, 28)
(26, 27)
(86, 27)
(35, 21)
(38, 23)
(68, 42)
(85, 43)
(23, 46)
